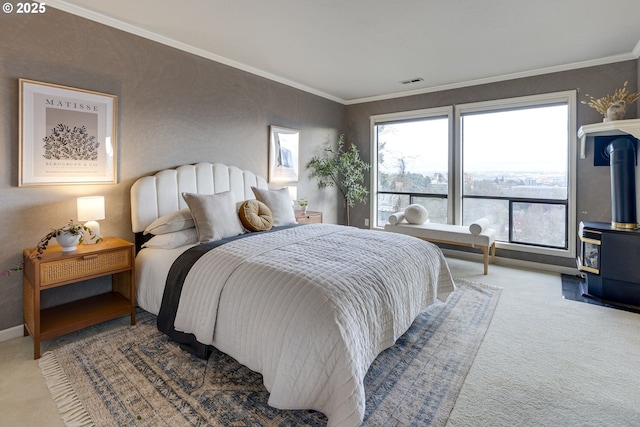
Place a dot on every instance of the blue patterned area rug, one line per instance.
(134, 376)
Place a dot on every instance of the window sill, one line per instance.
(556, 252)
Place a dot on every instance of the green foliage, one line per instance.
(342, 169)
(15, 269)
(71, 227)
(407, 182)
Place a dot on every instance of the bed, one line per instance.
(307, 306)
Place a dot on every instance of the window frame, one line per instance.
(565, 97)
(404, 116)
(455, 173)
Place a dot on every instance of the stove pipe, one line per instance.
(622, 159)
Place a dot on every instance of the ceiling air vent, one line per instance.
(410, 81)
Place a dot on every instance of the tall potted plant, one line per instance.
(343, 169)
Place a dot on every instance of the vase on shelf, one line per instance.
(68, 241)
(616, 111)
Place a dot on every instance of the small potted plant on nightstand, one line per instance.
(68, 236)
(304, 204)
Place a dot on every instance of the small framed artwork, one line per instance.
(67, 135)
(283, 154)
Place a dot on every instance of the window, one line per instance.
(412, 158)
(517, 179)
(511, 161)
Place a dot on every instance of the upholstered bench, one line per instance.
(476, 235)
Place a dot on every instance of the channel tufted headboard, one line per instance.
(160, 194)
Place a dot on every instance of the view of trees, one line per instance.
(527, 206)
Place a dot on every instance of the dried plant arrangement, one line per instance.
(601, 105)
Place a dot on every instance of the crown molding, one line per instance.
(531, 73)
(120, 25)
(636, 50)
(132, 29)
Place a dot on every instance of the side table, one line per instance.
(308, 217)
(112, 256)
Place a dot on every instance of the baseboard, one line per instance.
(11, 333)
(513, 263)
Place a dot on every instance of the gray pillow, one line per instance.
(174, 221)
(215, 215)
(279, 201)
(173, 240)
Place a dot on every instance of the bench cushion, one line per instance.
(445, 232)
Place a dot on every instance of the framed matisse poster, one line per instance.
(67, 135)
(283, 154)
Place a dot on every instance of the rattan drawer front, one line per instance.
(82, 266)
(310, 217)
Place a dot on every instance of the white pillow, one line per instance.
(173, 240)
(215, 215)
(416, 214)
(479, 226)
(279, 201)
(396, 218)
(174, 221)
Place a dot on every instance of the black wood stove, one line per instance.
(610, 252)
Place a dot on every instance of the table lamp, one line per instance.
(91, 209)
(293, 194)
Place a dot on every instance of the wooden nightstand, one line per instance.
(55, 268)
(310, 217)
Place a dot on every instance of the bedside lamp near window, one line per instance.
(293, 194)
(91, 209)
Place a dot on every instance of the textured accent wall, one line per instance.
(592, 182)
(177, 108)
(174, 108)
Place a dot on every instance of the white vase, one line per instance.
(616, 111)
(68, 241)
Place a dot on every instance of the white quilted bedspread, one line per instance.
(311, 307)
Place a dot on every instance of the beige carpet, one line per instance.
(544, 361)
(547, 361)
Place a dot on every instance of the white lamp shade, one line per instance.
(90, 208)
(293, 192)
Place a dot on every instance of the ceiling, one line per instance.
(353, 51)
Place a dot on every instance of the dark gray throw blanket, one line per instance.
(173, 290)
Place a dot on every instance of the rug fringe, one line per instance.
(473, 282)
(63, 394)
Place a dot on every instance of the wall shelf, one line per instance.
(616, 127)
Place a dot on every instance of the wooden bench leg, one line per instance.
(485, 253)
(485, 249)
